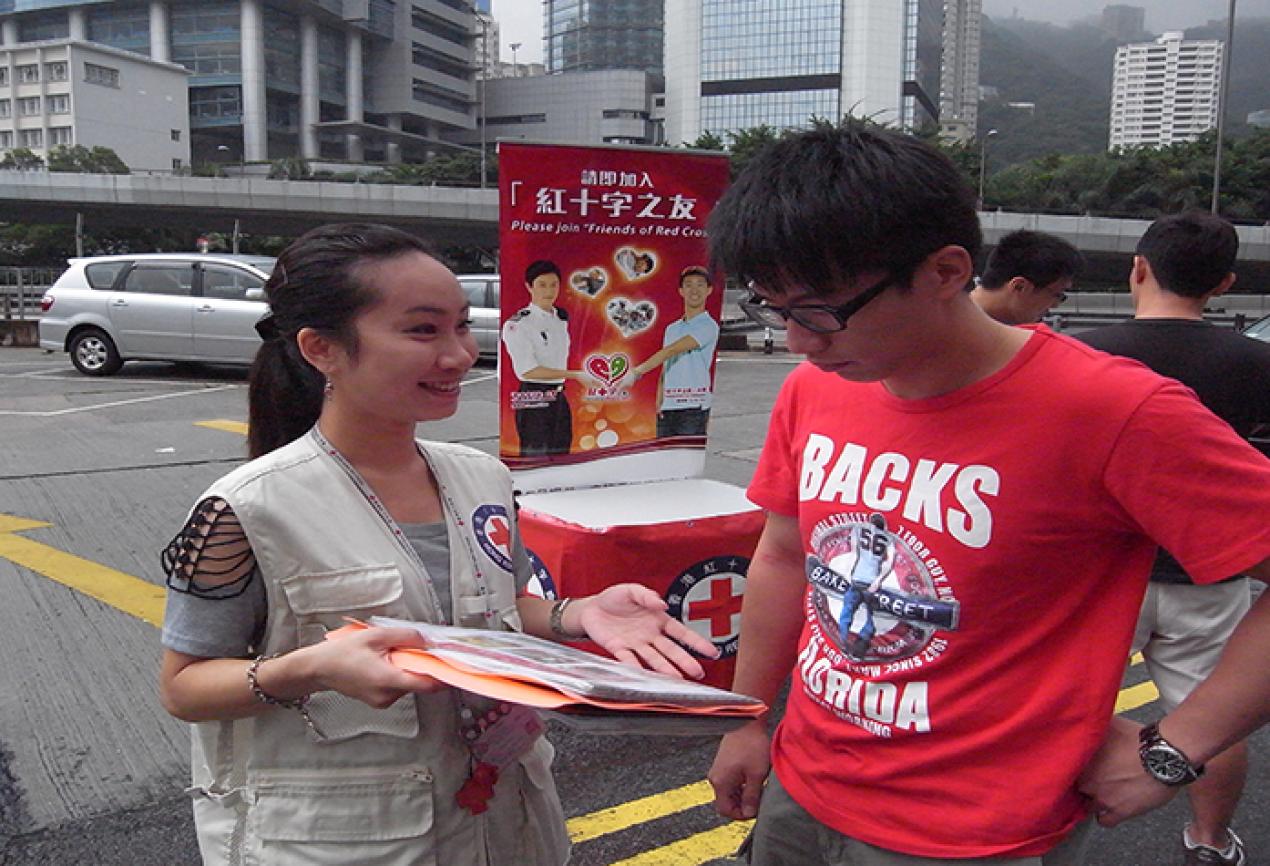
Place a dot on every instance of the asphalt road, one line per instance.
(92, 769)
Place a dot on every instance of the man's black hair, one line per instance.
(1038, 257)
(539, 267)
(694, 271)
(819, 208)
(1190, 253)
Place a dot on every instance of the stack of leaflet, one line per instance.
(585, 691)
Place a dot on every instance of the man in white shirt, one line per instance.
(685, 391)
(537, 341)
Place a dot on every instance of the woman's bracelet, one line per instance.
(300, 705)
(556, 620)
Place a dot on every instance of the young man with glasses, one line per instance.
(1027, 275)
(1181, 262)
(1025, 481)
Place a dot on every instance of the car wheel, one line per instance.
(94, 354)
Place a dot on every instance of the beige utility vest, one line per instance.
(376, 786)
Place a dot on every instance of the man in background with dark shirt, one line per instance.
(1181, 262)
(1028, 274)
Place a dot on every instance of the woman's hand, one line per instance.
(631, 623)
(358, 666)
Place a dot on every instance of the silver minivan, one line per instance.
(482, 295)
(105, 310)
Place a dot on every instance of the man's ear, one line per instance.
(318, 350)
(951, 267)
(1021, 285)
(1224, 286)
(1140, 272)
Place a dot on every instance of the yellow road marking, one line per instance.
(620, 817)
(1132, 697)
(699, 848)
(227, 426)
(132, 595)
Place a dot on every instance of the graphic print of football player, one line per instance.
(874, 559)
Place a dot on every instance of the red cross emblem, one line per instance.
(719, 608)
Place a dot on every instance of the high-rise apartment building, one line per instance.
(354, 79)
(734, 64)
(1165, 91)
(1123, 22)
(959, 76)
(589, 35)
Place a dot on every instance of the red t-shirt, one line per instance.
(1011, 523)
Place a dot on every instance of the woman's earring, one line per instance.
(328, 389)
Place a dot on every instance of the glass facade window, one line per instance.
(121, 25)
(205, 38)
(29, 73)
(55, 71)
(6, 108)
(424, 91)
(29, 106)
(6, 139)
(332, 76)
(215, 104)
(4, 76)
(430, 59)
(770, 38)
(59, 103)
(43, 25)
(60, 135)
(31, 137)
(440, 27)
(586, 35)
(103, 75)
(282, 50)
(282, 112)
(779, 109)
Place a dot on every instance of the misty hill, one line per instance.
(1066, 72)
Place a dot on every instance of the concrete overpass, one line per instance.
(454, 214)
(444, 215)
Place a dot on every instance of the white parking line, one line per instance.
(91, 408)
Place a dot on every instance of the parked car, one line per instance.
(1259, 330)
(482, 294)
(105, 310)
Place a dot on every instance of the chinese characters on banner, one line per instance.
(610, 314)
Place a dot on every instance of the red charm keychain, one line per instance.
(478, 789)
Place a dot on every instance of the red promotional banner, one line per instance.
(610, 313)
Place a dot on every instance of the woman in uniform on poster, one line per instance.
(537, 341)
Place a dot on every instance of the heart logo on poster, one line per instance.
(629, 316)
(608, 368)
(635, 264)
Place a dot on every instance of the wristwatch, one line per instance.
(1164, 761)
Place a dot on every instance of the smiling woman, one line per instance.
(310, 751)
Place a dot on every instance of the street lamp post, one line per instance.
(983, 161)
(1223, 89)
(484, 73)
(515, 46)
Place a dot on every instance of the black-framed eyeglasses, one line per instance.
(817, 318)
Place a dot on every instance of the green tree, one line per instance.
(78, 158)
(22, 158)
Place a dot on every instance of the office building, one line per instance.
(586, 35)
(1164, 92)
(66, 92)
(613, 106)
(343, 79)
(485, 49)
(735, 64)
(959, 74)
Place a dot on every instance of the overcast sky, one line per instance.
(521, 20)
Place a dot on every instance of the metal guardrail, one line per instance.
(21, 290)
